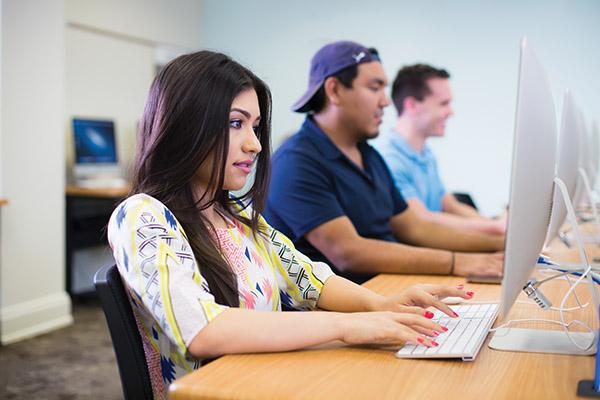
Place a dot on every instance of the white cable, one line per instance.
(562, 317)
(565, 274)
(561, 310)
(574, 294)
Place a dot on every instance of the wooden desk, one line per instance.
(114, 192)
(369, 373)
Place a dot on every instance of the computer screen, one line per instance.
(94, 141)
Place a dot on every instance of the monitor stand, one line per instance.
(541, 341)
(544, 340)
(592, 216)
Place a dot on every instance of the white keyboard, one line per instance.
(96, 183)
(464, 337)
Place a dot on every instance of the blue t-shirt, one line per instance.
(313, 182)
(415, 174)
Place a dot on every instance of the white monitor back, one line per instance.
(533, 167)
(595, 153)
(582, 162)
(567, 165)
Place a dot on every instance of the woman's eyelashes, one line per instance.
(238, 123)
(235, 123)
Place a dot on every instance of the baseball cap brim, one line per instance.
(302, 105)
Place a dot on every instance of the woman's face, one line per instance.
(244, 118)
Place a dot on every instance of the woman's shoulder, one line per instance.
(141, 207)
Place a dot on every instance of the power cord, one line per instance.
(532, 289)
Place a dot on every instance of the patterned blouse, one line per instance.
(170, 298)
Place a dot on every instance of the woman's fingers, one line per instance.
(415, 336)
(431, 333)
(414, 310)
(414, 321)
(441, 291)
(427, 299)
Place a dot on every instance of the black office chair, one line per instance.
(124, 333)
(465, 198)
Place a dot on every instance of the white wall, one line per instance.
(477, 41)
(32, 296)
(175, 22)
(1, 192)
(112, 48)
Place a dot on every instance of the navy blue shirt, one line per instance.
(313, 182)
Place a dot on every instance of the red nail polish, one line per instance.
(444, 329)
(428, 314)
(420, 340)
(470, 294)
(436, 333)
(454, 313)
(435, 344)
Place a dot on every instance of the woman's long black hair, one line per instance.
(185, 122)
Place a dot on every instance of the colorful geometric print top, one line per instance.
(170, 298)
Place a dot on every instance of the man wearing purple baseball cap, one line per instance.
(333, 195)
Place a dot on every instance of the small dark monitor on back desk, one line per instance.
(96, 162)
(94, 141)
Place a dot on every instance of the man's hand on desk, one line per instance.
(419, 297)
(478, 264)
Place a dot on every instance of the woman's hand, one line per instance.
(419, 297)
(387, 327)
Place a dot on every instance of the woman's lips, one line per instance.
(245, 166)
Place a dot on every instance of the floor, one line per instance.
(76, 362)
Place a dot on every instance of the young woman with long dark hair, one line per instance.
(206, 273)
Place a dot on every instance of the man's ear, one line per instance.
(332, 90)
(409, 104)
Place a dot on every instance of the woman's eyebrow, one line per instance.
(244, 112)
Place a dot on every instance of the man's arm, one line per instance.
(409, 228)
(452, 206)
(457, 220)
(338, 240)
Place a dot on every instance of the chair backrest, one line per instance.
(124, 333)
(465, 198)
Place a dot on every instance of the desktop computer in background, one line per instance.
(530, 205)
(96, 161)
(584, 198)
(95, 167)
(567, 166)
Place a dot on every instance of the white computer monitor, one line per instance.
(584, 143)
(567, 167)
(533, 167)
(595, 161)
(531, 196)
